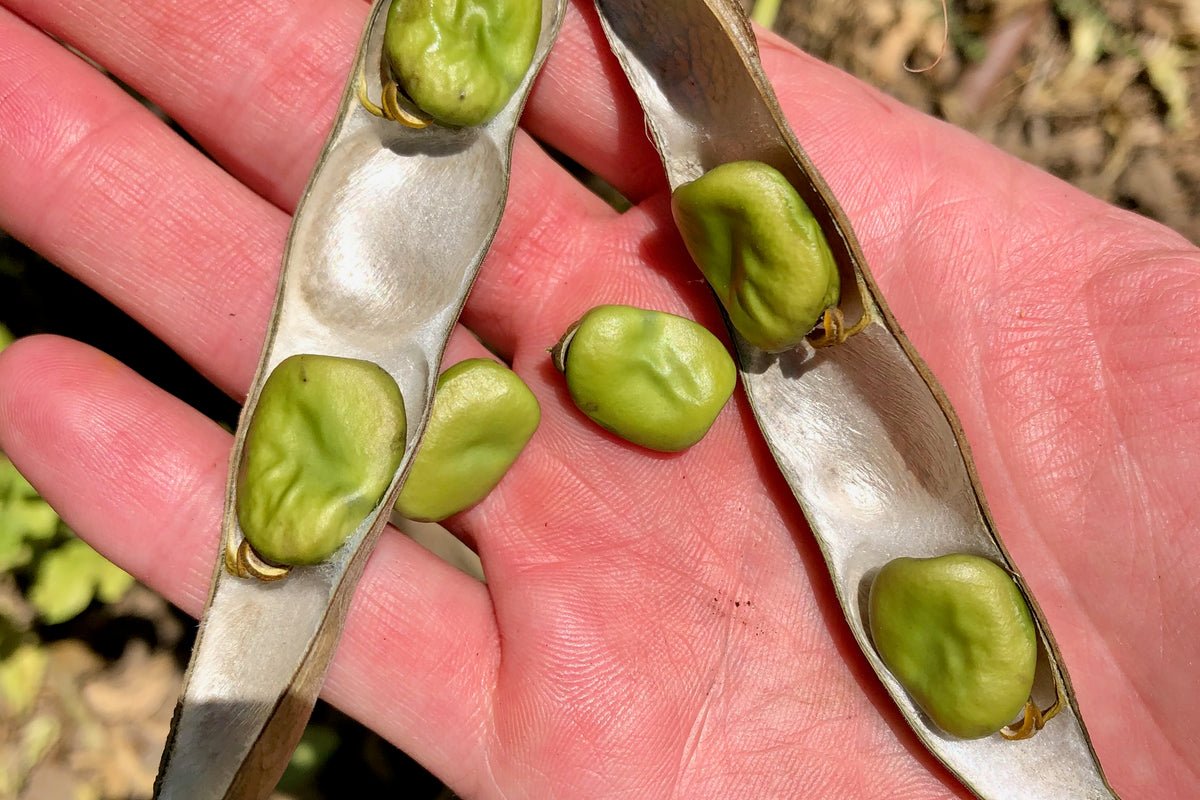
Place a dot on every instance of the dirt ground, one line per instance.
(1102, 94)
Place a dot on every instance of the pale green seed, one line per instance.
(651, 378)
(460, 61)
(325, 441)
(483, 416)
(957, 634)
(761, 249)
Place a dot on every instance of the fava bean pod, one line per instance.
(861, 431)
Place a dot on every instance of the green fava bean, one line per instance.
(761, 249)
(483, 416)
(650, 377)
(957, 634)
(325, 441)
(461, 60)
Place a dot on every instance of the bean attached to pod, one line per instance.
(326, 438)
(651, 378)
(761, 249)
(460, 61)
(957, 634)
(483, 416)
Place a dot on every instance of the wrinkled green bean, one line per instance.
(483, 416)
(652, 378)
(761, 249)
(326, 438)
(460, 61)
(957, 634)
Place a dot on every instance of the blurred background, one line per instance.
(1103, 93)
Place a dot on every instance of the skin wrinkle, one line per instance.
(378, 611)
(612, 139)
(63, 143)
(174, 230)
(69, 419)
(1098, 370)
(1138, 490)
(544, 231)
(175, 83)
(301, 78)
(1051, 553)
(695, 735)
(398, 583)
(1048, 474)
(557, 626)
(721, 675)
(180, 29)
(37, 133)
(104, 148)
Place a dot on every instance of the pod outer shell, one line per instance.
(483, 416)
(325, 441)
(461, 60)
(761, 249)
(958, 635)
(655, 379)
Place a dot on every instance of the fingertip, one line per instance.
(127, 466)
(32, 370)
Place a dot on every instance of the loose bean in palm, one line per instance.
(483, 416)
(652, 378)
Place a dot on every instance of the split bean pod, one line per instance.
(324, 442)
(655, 379)
(483, 416)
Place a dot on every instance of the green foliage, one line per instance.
(22, 672)
(64, 573)
(765, 12)
(25, 519)
(67, 573)
(70, 576)
(317, 745)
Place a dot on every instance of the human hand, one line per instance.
(652, 625)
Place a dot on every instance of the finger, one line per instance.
(100, 186)
(256, 85)
(582, 106)
(141, 477)
(103, 188)
(553, 234)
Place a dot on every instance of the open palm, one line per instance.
(652, 625)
